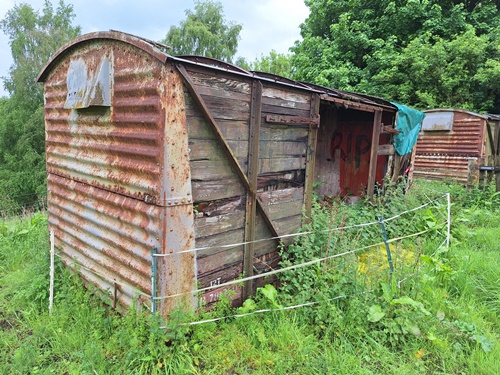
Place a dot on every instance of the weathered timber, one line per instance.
(293, 120)
(311, 159)
(207, 190)
(206, 78)
(373, 153)
(211, 225)
(231, 129)
(276, 110)
(385, 150)
(272, 92)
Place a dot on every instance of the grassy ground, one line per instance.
(443, 319)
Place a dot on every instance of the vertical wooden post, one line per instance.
(497, 172)
(471, 172)
(310, 159)
(253, 169)
(412, 168)
(374, 153)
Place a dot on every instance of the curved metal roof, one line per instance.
(159, 51)
(486, 116)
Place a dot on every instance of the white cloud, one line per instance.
(267, 24)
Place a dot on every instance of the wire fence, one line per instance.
(19, 206)
(442, 215)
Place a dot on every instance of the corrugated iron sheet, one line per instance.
(445, 155)
(118, 148)
(436, 167)
(465, 139)
(108, 234)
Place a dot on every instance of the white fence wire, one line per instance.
(292, 267)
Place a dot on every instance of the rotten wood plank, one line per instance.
(216, 189)
(273, 92)
(221, 82)
(253, 165)
(276, 110)
(373, 153)
(385, 150)
(281, 164)
(286, 102)
(211, 225)
(311, 159)
(281, 180)
(293, 120)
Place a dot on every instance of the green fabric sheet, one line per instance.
(409, 123)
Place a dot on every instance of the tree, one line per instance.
(275, 63)
(423, 53)
(205, 33)
(33, 38)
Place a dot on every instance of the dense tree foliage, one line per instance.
(34, 36)
(425, 53)
(205, 32)
(275, 63)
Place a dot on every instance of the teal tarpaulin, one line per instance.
(409, 122)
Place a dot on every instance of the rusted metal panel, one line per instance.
(177, 272)
(465, 138)
(446, 153)
(109, 234)
(117, 147)
(442, 167)
(116, 125)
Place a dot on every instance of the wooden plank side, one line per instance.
(221, 83)
(287, 101)
(232, 130)
(209, 190)
(218, 261)
(234, 110)
(203, 170)
(281, 164)
(211, 225)
(268, 109)
(209, 149)
(282, 149)
(283, 203)
(222, 91)
(289, 95)
(278, 132)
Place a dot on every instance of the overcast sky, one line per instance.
(267, 24)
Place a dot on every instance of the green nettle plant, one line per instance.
(435, 312)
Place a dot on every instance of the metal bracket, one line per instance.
(178, 201)
(488, 169)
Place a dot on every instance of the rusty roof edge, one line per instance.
(146, 45)
(485, 116)
(153, 48)
(276, 79)
(354, 97)
(233, 69)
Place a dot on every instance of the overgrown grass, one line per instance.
(439, 312)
